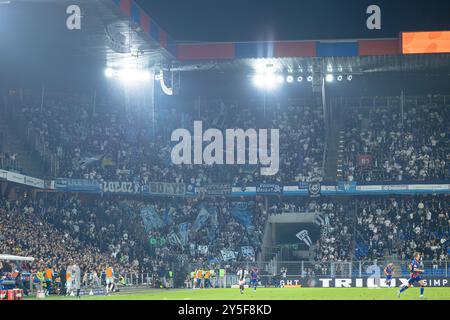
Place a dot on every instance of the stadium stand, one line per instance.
(408, 145)
(104, 145)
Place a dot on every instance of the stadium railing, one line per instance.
(354, 268)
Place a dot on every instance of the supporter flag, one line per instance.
(228, 255)
(203, 249)
(168, 214)
(151, 219)
(319, 220)
(201, 219)
(213, 224)
(248, 253)
(173, 239)
(304, 236)
(242, 214)
(88, 161)
(183, 232)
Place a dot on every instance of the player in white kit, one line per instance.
(76, 276)
(242, 274)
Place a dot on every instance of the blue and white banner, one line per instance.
(248, 253)
(88, 161)
(269, 188)
(183, 232)
(121, 187)
(346, 186)
(203, 249)
(202, 218)
(166, 189)
(349, 188)
(217, 189)
(151, 219)
(213, 229)
(173, 239)
(228, 255)
(22, 179)
(77, 185)
(242, 213)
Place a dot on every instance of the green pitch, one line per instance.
(271, 294)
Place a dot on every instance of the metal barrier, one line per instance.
(354, 268)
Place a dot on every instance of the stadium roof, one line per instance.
(352, 56)
(106, 34)
(117, 32)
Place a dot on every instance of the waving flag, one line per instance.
(242, 213)
(201, 219)
(151, 219)
(183, 232)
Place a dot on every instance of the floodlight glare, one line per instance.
(109, 73)
(349, 77)
(127, 75)
(339, 78)
(266, 81)
(258, 80)
(329, 78)
(309, 78)
(300, 79)
(290, 79)
(144, 75)
(280, 79)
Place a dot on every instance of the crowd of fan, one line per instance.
(415, 148)
(100, 232)
(403, 225)
(29, 228)
(110, 143)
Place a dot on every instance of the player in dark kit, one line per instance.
(254, 277)
(388, 271)
(416, 270)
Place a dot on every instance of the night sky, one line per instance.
(257, 20)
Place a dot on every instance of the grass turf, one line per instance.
(435, 293)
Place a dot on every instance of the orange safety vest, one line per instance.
(207, 274)
(199, 274)
(67, 276)
(48, 274)
(109, 272)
